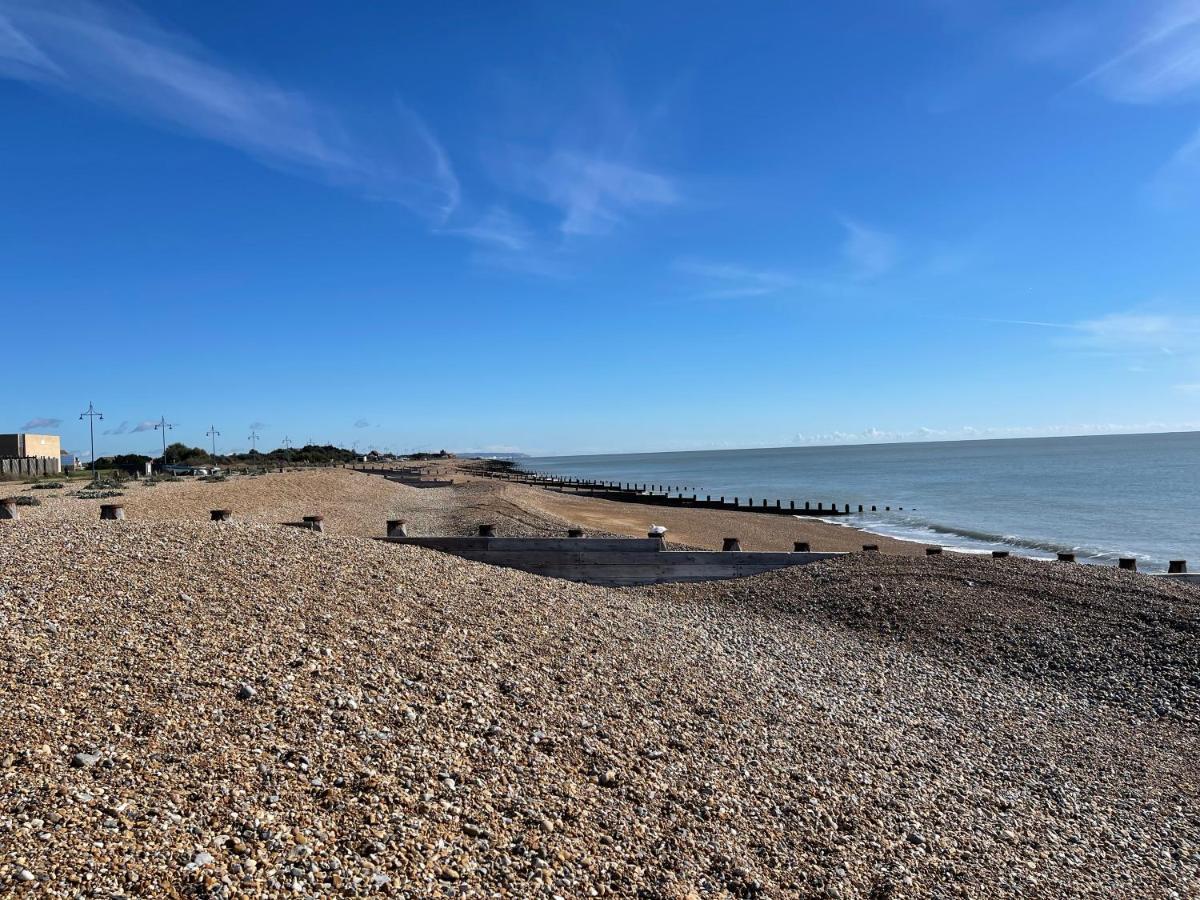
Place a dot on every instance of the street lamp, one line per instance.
(92, 416)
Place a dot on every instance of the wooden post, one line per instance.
(1066, 557)
(873, 509)
(806, 504)
(731, 544)
(847, 507)
(870, 548)
(1127, 562)
(801, 547)
(8, 508)
(487, 530)
(574, 532)
(999, 554)
(112, 511)
(820, 507)
(397, 528)
(791, 504)
(933, 551)
(860, 507)
(1177, 567)
(220, 515)
(315, 523)
(735, 501)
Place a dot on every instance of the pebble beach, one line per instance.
(248, 709)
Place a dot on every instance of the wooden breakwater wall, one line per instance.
(612, 562)
(676, 495)
(407, 476)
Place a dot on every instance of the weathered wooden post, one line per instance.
(315, 523)
(735, 501)
(112, 511)
(1127, 562)
(933, 551)
(820, 507)
(574, 532)
(730, 544)
(220, 515)
(1177, 567)
(860, 507)
(999, 554)
(8, 508)
(847, 507)
(873, 509)
(397, 528)
(1066, 556)
(791, 504)
(870, 548)
(807, 504)
(487, 530)
(801, 547)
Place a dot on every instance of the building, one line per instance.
(30, 454)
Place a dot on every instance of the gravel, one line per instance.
(422, 725)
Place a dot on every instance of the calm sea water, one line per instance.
(1102, 496)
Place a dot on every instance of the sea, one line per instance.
(1101, 496)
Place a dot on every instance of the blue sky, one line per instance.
(591, 227)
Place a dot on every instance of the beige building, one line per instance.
(42, 446)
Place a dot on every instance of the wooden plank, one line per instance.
(531, 544)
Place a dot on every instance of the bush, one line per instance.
(97, 495)
(104, 483)
(47, 485)
(214, 478)
(27, 500)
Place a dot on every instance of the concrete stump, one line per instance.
(933, 551)
(1126, 562)
(1066, 557)
(801, 547)
(316, 523)
(574, 532)
(221, 515)
(487, 530)
(731, 544)
(112, 511)
(8, 508)
(999, 554)
(1177, 567)
(397, 528)
(870, 548)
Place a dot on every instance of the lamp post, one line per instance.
(165, 426)
(92, 416)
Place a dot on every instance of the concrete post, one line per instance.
(1066, 557)
(8, 508)
(870, 548)
(112, 511)
(397, 528)
(730, 544)
(315, 523)
(1177, 567)
(574, 532)
(487, 530)
(801, 547)
(149, 468)
(999, 554)
(1127, 562)
(933, 551)
(220, 515)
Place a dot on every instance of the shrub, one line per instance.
(46, 485)
(97, 495)
(27, 500)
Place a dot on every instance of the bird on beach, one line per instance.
(658, 529)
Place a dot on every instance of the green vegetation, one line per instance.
(47, 485)
(96, 495)
(27, 500)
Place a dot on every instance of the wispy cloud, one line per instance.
(1162, 60)
(362, 423)
(1140, 333)
(119, 429)
(722, 280)
(255, 426)
(597, 194)
(147, 425)
(41, 423)
(869, 251)
(115, 56)
(498, 227)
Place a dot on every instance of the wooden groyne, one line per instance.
(613, 562)
(675, 495)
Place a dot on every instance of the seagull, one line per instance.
(658, 529)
